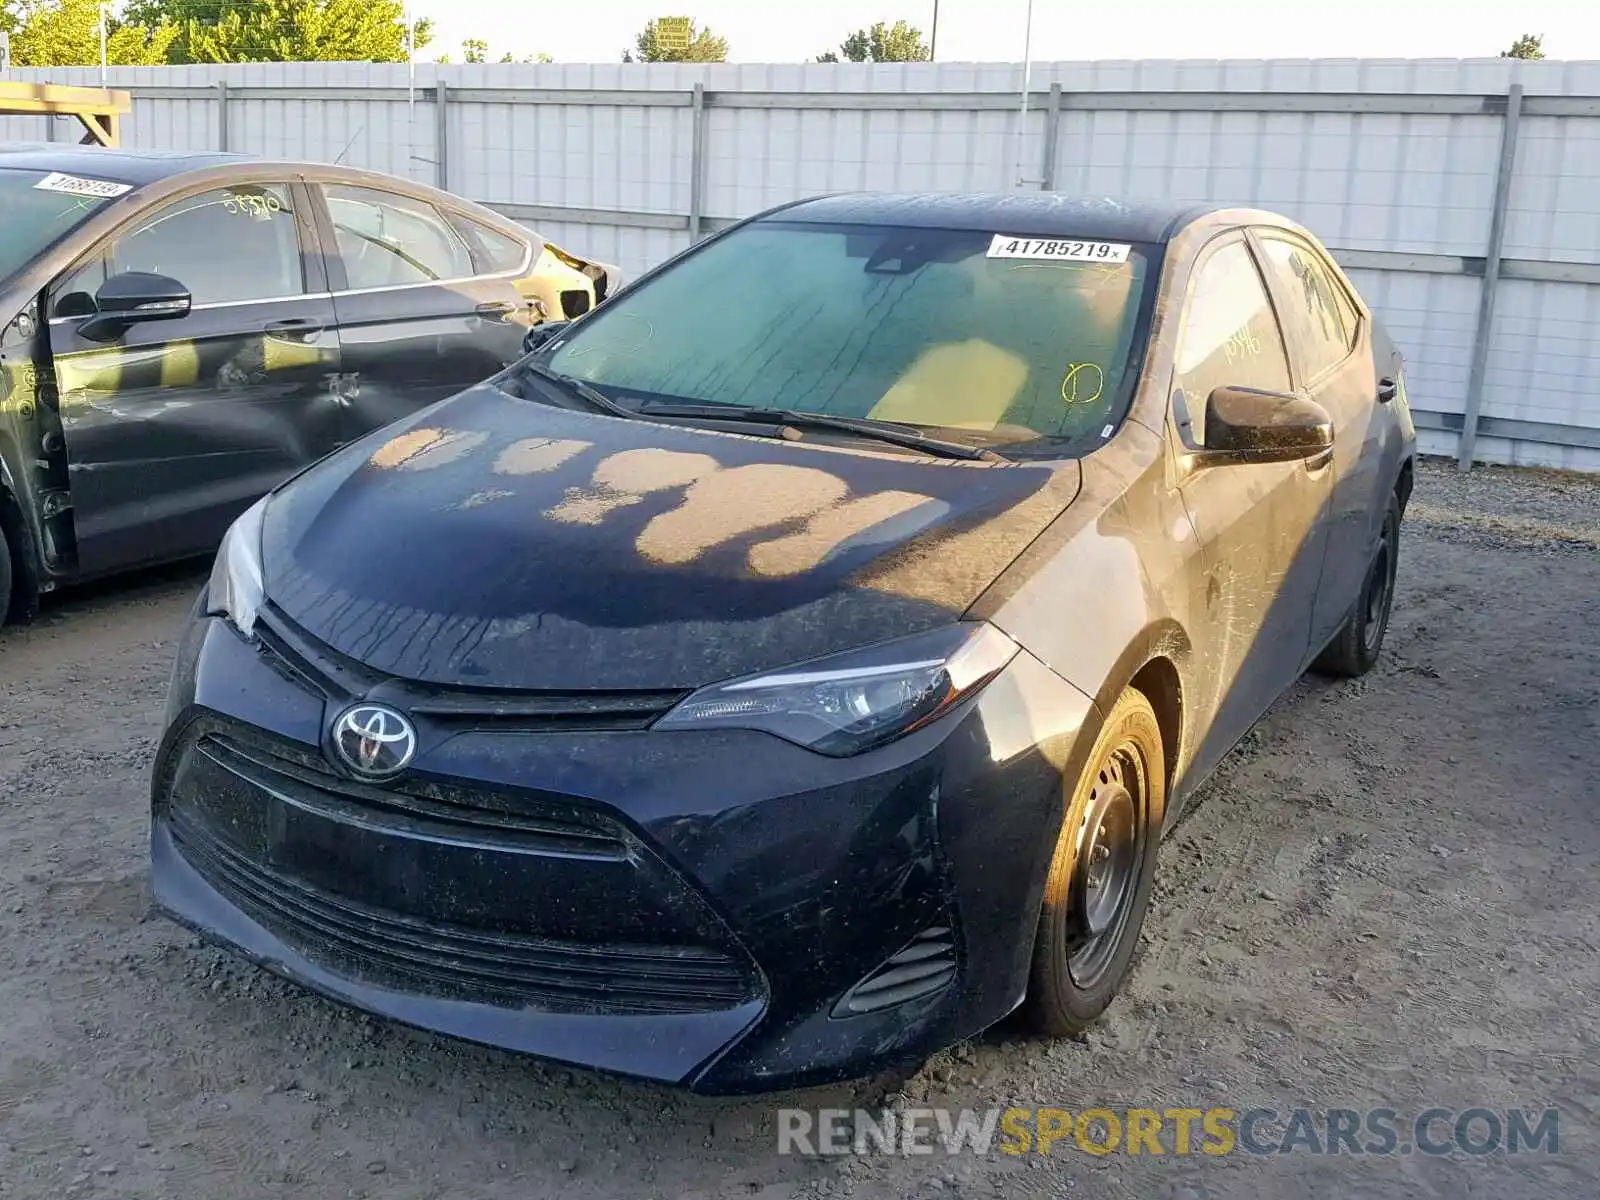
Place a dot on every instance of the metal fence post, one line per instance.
(1491, 278)
(697, 168)
(441, 134)
(222, 115)
(1052, 132)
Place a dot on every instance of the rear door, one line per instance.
(419, 319)
(177, 426)
(1331, 353)
(1261, 526)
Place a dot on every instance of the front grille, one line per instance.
(318, 667)
(416, 807)
(407, 954)
(922, 968)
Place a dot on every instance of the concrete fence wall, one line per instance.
(1462, 196)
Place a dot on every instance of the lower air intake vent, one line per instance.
(921, 969)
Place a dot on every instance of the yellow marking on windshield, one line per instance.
(959, 385)
(1084, 383)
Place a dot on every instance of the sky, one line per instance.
(992, 30)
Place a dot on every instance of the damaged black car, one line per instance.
(791, 667)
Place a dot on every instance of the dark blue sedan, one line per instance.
(791, 666)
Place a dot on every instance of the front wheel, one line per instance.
(1355, 649)
(1100, 879)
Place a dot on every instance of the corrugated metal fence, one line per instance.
(1463, 196)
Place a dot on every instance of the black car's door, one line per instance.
(417, 321)
(1332, 355)
(1261, 527)
(176, 426)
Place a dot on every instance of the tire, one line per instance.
(1356, 647)
(1087, 934)
(5, 575)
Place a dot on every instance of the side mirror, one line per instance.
(1247, 425)
(127, 299)
(542, 334)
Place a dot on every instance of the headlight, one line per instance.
(847, 703)
(235, 590)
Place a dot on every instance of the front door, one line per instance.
(177, 426)
(416, 324)
(1261, 527)
(1332, 356)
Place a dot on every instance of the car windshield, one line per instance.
(41, 207)
(999, 339)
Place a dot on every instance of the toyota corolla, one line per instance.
(791, 666)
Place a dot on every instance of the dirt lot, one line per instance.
(1387, 898)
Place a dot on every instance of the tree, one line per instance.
(704, 46)
(65, 33)
(881, 43)
(1529, 45)
(474, 50)
(283, 30)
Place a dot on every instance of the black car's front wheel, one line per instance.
(1100, 879)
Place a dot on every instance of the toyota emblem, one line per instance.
(374, 741)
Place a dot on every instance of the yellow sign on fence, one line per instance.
(674, 33)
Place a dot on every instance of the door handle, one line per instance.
(495, 308)
(1387, 390)
(293, 329)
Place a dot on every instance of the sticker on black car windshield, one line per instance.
(1005, 245)
(74, 185)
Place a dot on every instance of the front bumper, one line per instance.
(694, 908)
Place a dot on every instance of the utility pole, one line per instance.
(102, 43)
(1027, 82)
(933, 39)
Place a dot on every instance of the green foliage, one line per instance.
(704, 46)
(882, 43)
(1529, 45)
(65, 33)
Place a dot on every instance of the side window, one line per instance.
(389, 240)
(228, 245)
(1322, 333)
(1230, 336)
(497, 251)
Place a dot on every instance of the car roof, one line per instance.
(137, 167)
(1031, 214)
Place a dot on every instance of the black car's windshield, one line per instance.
(41, 207)
(1016, 340)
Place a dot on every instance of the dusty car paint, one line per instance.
(536, 586)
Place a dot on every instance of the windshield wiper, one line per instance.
(593, 397)
(878, 430)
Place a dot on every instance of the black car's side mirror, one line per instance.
(1248, 425)
(127, 299)
(542, 334)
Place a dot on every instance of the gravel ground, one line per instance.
(1385, 898)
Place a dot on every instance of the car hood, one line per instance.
(496, 542)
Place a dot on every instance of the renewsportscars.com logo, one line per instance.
(1168, 1131)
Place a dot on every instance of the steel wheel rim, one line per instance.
(1106, 873)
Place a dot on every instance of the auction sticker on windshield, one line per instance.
(1005, 245)
(74, 185)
